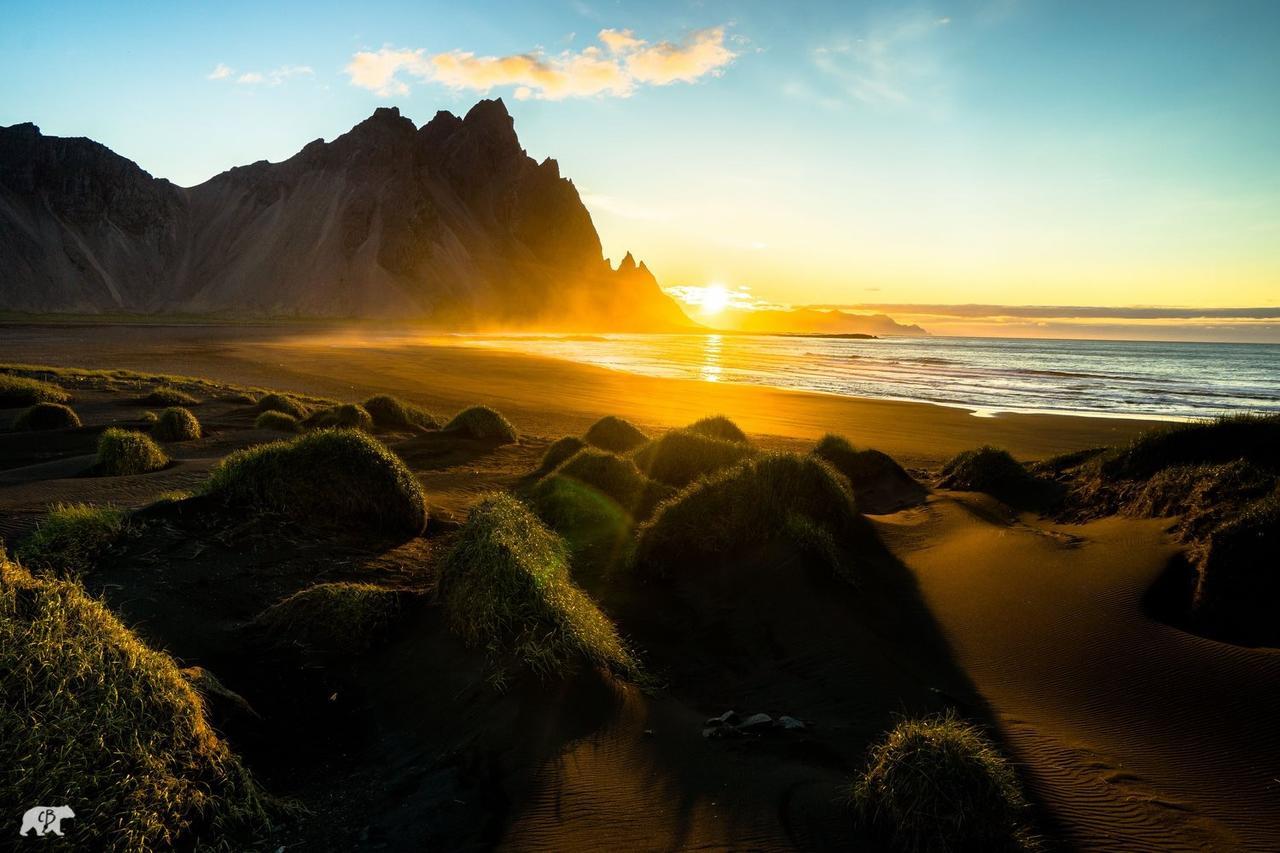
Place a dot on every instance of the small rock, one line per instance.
(728, 718)
(648, 732)
(756, 722)
(790, 723)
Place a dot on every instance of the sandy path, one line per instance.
(1138, 736)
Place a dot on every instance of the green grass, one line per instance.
(679, 457)
(122, 453)
(176, 424)
(98, 721)
(1252, 437)
(333, 617)
(483, 423)
(936, 785)
(66, 541)
(289, 405)
(744, 507)
(167, 395)
(349, 415)
(994, 472)
(18, 391)
(1237, 592)
(506, 588)
(393, 413)
(594, 488)
(560, 450)
(45, 416)
(615, 435)
(718, 426)
(278, 421)
(329, 479)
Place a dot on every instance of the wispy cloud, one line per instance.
(1066, 312)
(622, 63)
(274, 77)
(893, 65)
(219, 72)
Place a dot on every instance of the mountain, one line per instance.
(451, 222)
(810, 321)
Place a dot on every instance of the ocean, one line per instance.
(1174, 381)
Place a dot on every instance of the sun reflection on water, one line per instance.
(710, 370)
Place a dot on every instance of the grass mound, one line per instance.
(560, 450)
(572, 493)
(290, 406)
(993, 471)
(176, 424)
(936, 785)
(17, 391)
(483, 423)
(1238, 586)
(679, 457)
(108, 726)
(66, 540)
(393, 413)
(278, 421)
(167, 395)
(122, 452)
(718, 426)
(348, 415)
(1252, 437)
(333, 617)
(614, 434)
(762, 499)
(325, 479)
(506, 587)
(43, 416)
(879, 483)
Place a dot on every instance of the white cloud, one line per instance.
(894, 65)
(219, 72)
(625, 63)
(274, 77)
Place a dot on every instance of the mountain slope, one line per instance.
(451, 222)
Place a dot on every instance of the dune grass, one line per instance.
(614, 434)
(595, 496)
(936, 785)
(45, 416)
(291, 406)
(333, 617)
(1252, 437)
(329, 479)
(348, 415)
(19, 391)
(560, 450)
(755, 502)
(483, 423)
(993, 472)
(167, 395)
(391, 412)
(718, 427)
(123, 452)
(176, 424)
(1237, 590)
(66, 541)
(278, 421)
(679, 457)
(506, 588)
(102, 723)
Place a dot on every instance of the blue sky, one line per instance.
(1069, 153)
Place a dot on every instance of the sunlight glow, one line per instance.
(715, 298)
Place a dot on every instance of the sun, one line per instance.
(715, 298)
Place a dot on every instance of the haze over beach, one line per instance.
(640, 426)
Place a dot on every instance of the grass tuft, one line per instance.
(879, 483)
(573, 492)
(176, 424)
(66, 541)
(278, 421)
(994, 472)
(615, 435)
(102, 723)
(483, 423)
(718, 426)
(45, 416)
(349, 415)
(936, 785)
(560, 450)
(679, 457)
(291, 406)
(333, 617)
(393, 413)
(325, 479)
(18, 391)
(748, 505)
(1252, 437)
(122, 453)
(1238, 583)
(167, 395)
(506, 587)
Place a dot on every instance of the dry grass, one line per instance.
(720, 427)
(393, 413)
(348, 415)
(560, 450)
(17, 391)
(1238, 585)
(97, 720)
(66, 541)
(506, 588)
(45, 416)
(333, 617)
(615, 435)
(176, 424)
(278, 421)
(289, 405)
(122, 453)
(167, 395)
(994, 472)
(679, 457)
(483, 423)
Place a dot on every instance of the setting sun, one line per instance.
(715, 298)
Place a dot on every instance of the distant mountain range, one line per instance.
(805, 320)
(451, 222)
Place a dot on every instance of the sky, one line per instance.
(951, 154)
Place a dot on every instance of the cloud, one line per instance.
(219, 72)
(274, 77)
(1068, 312)
(895, 65)
(617, 69)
